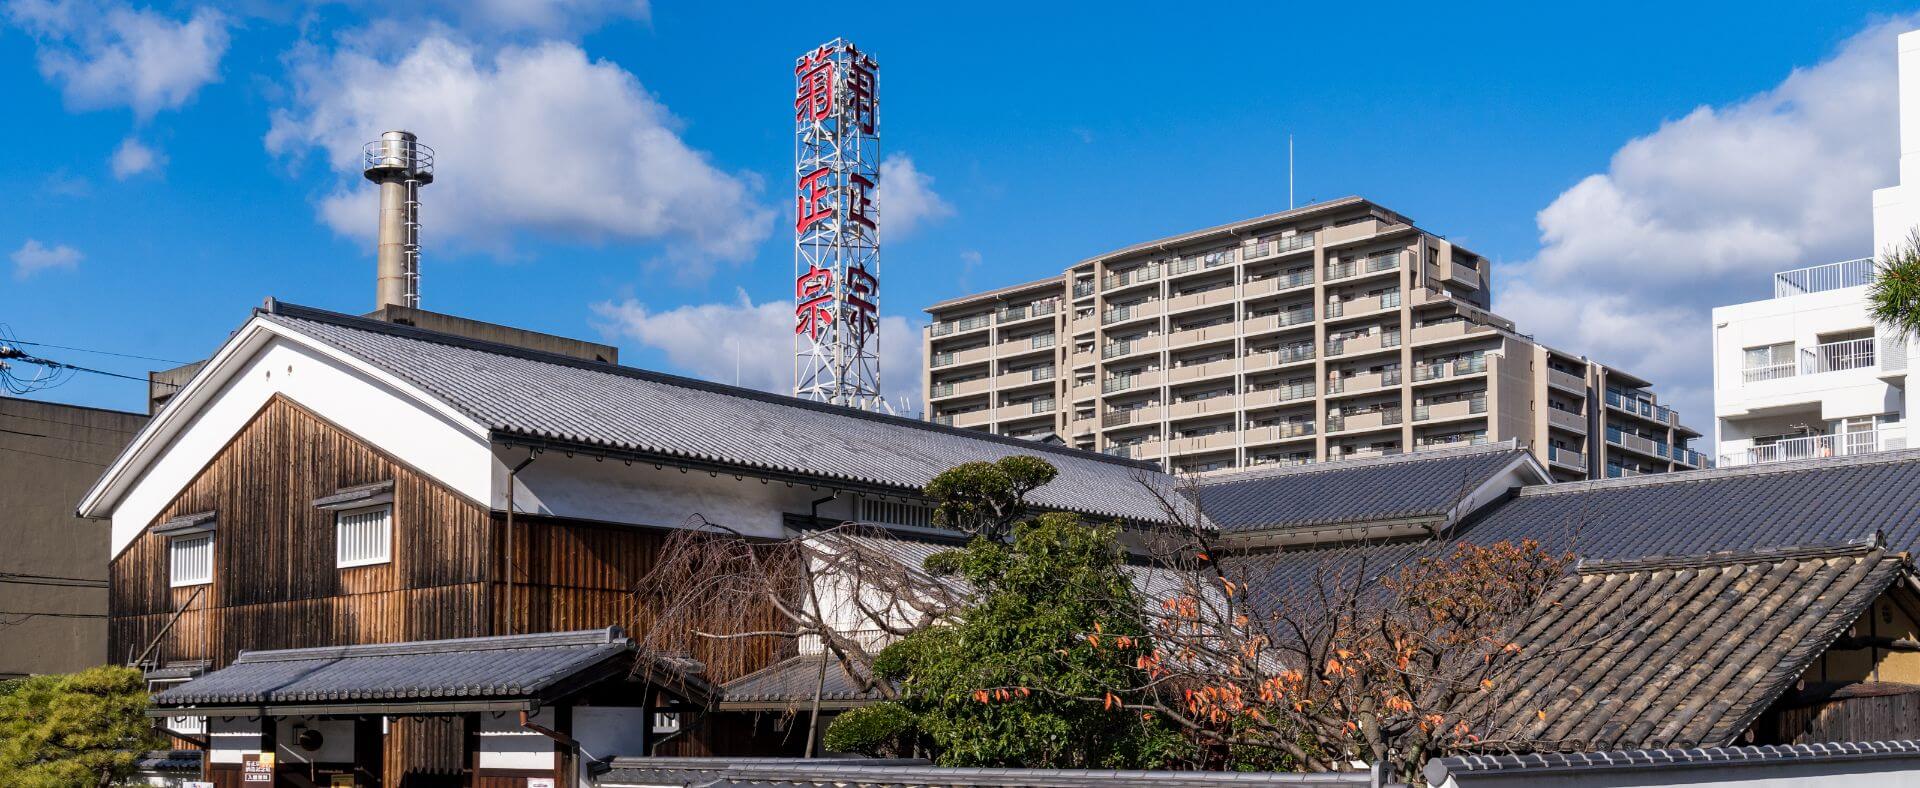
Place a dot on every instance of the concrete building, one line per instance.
(53, 572)
(1807, 373)
(1334, 331)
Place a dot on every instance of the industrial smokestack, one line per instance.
(400, 165)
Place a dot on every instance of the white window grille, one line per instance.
(194, 725)
(1767, 362)
(363, 536)
(191, 560)
(896, 513)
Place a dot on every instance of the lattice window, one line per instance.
(896, 513)
(363, 536)
(191, 560)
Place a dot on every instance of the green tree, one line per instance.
(1018, 677)
(1894, 296)
(74, 729)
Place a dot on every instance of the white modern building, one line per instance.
(1807, 373)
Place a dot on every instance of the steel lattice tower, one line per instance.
(836, 244)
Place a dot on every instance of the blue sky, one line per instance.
(620, 171)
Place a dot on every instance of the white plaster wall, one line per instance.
(506, 745)
(355, 399)
(1896, 209)
(231, 738)
(613, 491)
(336, 744)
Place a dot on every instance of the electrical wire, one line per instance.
(53, 457)
(100, 352)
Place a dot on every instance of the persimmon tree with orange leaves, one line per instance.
(1384, 656)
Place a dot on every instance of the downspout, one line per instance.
(512, 477)
(819, 681)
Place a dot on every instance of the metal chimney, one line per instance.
(400, 165)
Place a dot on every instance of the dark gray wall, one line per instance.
(49, 455)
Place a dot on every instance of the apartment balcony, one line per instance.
(1284, 431)
(1270, 359)
(1449, 370)
(1151, 414)
(1130, 313)
(966, 388)
(1643, 408)
(1214, 297)
(1456, 409)
(1026, 312)
(1379, 340)
(1200, 262)
(1348, 233)
(971, 419)
(1026, 377)
(1083, 390)
(1131, 277)
(1292, 392)
(1144, 450)
(1376, 264)
(1130, 382)
(1572, 422)
(1363, 382)
(1464, 276)
(961, 358)
(1082, 324)
(1082, 289)
(1298, 316)
(1821, 278)
(1037, 343)
(1362, 307)
(1122, 348)
(1044, 406)
(1566, 458)
(1212, 333)
(1255, 288)
(1083, 358)
(1361, 454)
(1884, 438)
(1224, 439)
(1636, 443)
(1225, 403)
(1079, 427)
(1566, 381)
(1886, 353)
(961, 326)
(1452, 329)
(1211, 369)
(1360, 422)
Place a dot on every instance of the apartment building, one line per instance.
(1807, 373)
(1335, 331)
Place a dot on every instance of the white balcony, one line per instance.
(1884, 438)
(1821, 278)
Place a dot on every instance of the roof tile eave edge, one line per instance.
(1707, 474)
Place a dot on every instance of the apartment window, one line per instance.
(896, 513)
(362, 537)
(1768, 362)
(190, 560)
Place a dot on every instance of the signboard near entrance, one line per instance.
(539, 782)
(256, 767)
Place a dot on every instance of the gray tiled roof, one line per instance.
(1829, 501)
(792, 681)
(509, 667)
(690, 771)
(1420, 484)
(1682, 652)
(852, 776)
(540, 396)
(1538, 766)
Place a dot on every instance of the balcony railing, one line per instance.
(1145, 273)
(1837, 356)
(1567, 457)
(1081, 289)
(1821, 278)
(963, 324)
(1289, 243)
(1024, 311)
(1769, 372)
(1887, 437)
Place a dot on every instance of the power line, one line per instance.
(101, 352)
(53, 577)
(114, 446)
(25, 615)
(99, 584)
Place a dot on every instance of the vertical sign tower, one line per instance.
(836, 234)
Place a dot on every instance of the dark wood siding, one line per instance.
(275, 584)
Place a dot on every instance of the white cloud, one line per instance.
(33, 257)
(1700, 211)
(490, 19)
(528, 139)
(107, 54)
(134, 157)
(753, 344)
(906, 197)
